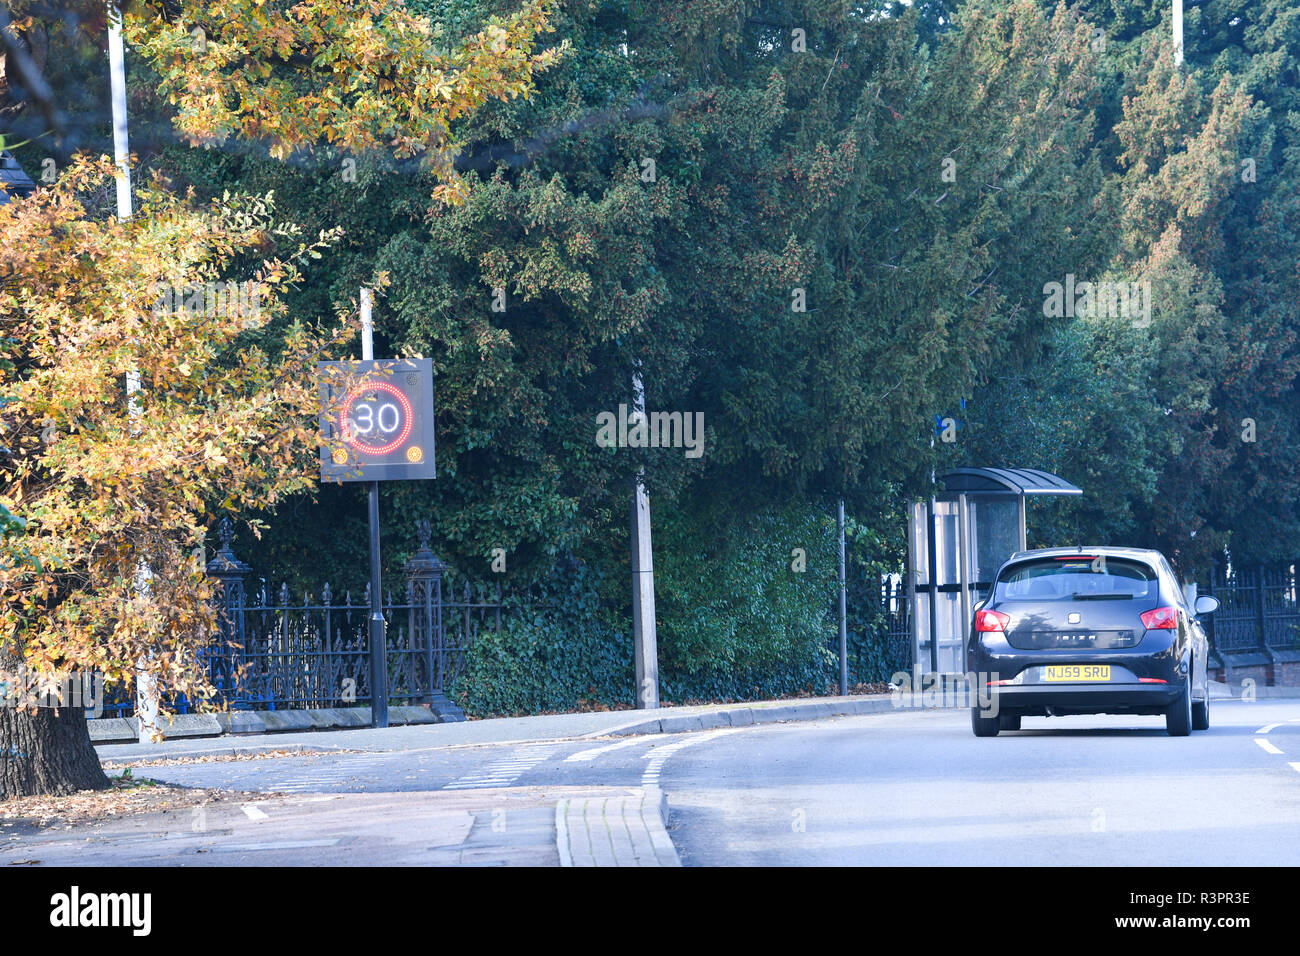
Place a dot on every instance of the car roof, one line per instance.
(1141, 554)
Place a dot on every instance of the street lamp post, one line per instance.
(146, 689)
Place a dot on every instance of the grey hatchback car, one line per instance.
(1089, 631)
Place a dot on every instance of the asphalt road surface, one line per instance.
(1104, 790)
(912, 787)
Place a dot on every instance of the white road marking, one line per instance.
(1265, 729)
(253, 812)
(659, 756)
(582, 756)
(1268, 747)
(505, 771)
(1296, 767)
(314, 778)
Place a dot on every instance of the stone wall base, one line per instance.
(115, 730)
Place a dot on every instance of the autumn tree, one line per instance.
(286, 76)
(356, 75)
(108, 497)
(111, 488)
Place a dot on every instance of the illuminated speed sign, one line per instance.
(377, 420)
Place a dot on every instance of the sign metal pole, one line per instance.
(844, 618)
(378, 637)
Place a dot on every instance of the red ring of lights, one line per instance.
(407, 414)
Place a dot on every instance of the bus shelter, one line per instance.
(956, 542)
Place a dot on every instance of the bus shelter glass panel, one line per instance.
(918, 546)
(995, 529)
(950, 626)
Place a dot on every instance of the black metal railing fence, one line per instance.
(277, 652)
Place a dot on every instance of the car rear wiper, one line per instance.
(1102, 597)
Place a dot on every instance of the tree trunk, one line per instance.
(46, 751)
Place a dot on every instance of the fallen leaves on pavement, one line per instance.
(124, 797)
(222, 757)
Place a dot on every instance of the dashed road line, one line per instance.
(319, 777)
(504, 772)
(253, 811)
(660, 755)
(584, 756)
(1295, 767)
(1268, 747)
(1265, 729)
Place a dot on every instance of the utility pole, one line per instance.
(378, 636)
(844, 619)
(1178, 32)
(146, 687)
(645, 642)
(121, 148)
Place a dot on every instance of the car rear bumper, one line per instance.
(1085, 698)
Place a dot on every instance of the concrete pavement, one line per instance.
(307, 830)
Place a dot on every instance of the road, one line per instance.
(911, 787)
(919, 790)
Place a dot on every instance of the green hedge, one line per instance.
(559, 651)
(735, 622)
(736, 619)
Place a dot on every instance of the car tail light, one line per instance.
(1152, 680)
(991, 621)
(1160, 619)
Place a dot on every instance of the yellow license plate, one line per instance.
(1077, 672)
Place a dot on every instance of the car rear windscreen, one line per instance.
(1087, 577)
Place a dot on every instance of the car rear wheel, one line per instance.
(1201, 711)
(983, 726)
(1008, 721)
(1178, 715)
